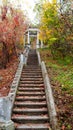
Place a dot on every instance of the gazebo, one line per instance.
(33, 32)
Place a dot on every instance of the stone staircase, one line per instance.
(30, 107)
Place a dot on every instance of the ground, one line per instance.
(61, 78)
(6, 77)
(64, 103)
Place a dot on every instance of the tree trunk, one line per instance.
(5, 55)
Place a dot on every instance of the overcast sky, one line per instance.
(27, 5)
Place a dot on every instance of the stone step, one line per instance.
(31, 98)
(30, 93)
(30, 111)
(30, 104)
(31, 79)
(32, 82)
(31, 76)
(32, 71)
(35, 63)
(31, 85)
(30, 58)
(33, 89)
(31, 67)
(28, 72)
(30, 119)
(44, 126)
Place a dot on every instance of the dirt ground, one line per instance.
(6, 77)
(64, 103)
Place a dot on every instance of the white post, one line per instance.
(41, 43)
(37, 44)
(24, 40)
(28, 37)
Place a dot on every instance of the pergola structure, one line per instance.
(33, 32)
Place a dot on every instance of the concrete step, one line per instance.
(31, 79)
(28, 111)
(31, 76)
(33, 89)
(30, 93)
(31, 85)
(31, 68)
(32, 71)
(30, 119)
(30, 104)
(44, 126)
(37, 67)
(35, 63)
(31, 98)
(32, 82)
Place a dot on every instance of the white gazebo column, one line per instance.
(28, 37)
(24, 39)
(41, 44)
(37, 44)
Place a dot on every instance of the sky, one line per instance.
(27, 5)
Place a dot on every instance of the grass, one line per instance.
(62, 69)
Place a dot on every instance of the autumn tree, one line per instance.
(12, 27)
(56, 25)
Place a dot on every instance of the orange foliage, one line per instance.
(12, 28)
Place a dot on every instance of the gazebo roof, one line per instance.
(32, 32)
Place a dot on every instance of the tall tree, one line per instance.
(56, 25)
(12, 28)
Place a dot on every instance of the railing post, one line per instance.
(5, 114)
